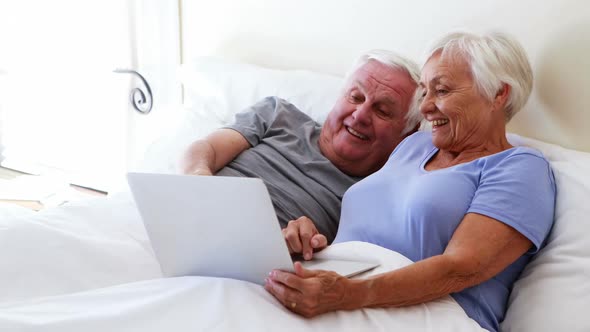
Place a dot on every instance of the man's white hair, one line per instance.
(494, 59)
(396, 61)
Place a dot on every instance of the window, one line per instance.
(62, 106)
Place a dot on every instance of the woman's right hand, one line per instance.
(303, 237)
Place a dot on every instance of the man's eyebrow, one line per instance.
(387, 98)
(359, 84)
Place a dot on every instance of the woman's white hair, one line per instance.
(396, 61)
(494, 59)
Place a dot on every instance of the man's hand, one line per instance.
(303, 237)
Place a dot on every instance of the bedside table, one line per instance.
(37, 192)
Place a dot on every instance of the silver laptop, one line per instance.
(218, 226)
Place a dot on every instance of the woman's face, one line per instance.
(460, 116)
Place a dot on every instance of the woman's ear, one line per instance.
(502, 97)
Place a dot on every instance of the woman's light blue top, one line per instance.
(415, 212)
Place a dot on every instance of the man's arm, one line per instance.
(207, 156)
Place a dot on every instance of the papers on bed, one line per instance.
(47, 191)
(29, 187)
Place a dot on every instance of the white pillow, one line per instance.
(553, 291)
(217, 89)
(223, 88)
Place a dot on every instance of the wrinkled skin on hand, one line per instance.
(310, 292)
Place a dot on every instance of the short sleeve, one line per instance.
(253, 122)
(520, 192)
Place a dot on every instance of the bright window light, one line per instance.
(62, 105)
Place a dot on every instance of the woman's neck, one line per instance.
(493, 144)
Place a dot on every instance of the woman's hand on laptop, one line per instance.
(302, 237)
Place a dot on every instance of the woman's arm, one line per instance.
(480, 248)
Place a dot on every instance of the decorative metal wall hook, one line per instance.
(138, 98)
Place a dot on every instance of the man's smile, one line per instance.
(357, 134)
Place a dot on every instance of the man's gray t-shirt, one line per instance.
(286, 156)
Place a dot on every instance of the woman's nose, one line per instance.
(427, 105)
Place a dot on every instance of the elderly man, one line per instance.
(308, 167)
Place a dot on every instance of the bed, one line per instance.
(89, 266)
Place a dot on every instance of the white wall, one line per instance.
(326, 35)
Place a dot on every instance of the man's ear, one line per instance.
(502, 97)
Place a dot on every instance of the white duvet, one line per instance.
(88, 266)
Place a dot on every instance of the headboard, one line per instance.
(327, 35)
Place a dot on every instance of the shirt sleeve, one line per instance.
(254, 122)
(520, 192)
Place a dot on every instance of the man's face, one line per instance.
(367, 122)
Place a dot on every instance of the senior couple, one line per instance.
(464, 205)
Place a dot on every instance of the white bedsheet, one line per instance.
(88, 266)
(9, 210)
(215, 304)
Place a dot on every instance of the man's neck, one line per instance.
(350, 168)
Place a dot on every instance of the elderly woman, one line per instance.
(462, 203)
